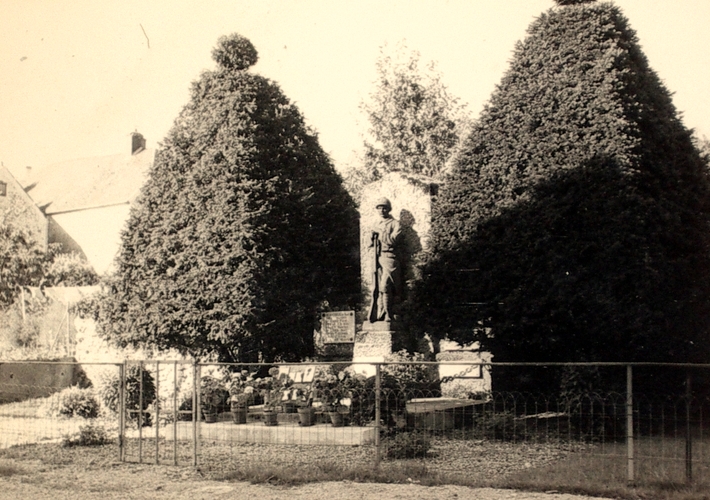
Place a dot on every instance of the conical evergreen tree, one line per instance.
(574, 225)
(242, 230)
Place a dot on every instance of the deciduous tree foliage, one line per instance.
(574, 224)
(22, 261)
(415, 123)
(69, 269)
(242, 229)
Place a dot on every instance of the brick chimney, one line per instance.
(137, 143)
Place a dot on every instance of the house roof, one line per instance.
(89, 182)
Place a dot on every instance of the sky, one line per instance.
(78, 77)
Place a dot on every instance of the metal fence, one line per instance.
(639, 423)
(48, 401)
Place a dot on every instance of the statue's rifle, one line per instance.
(375, 281)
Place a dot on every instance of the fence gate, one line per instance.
(157, 421)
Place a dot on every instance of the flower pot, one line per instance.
(289, 406)
(210, 417)
(336, 418)
(270, 418)
(239, 414)
(306, 416)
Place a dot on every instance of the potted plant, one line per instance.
(306, 411)
(271, 389)
(334, 396)
(289, 394)
(212, 396)
(241, 393)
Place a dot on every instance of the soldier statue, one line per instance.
(386, 279)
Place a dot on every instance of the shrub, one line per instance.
(361, 392)
(88, 435)
(407, 445)
(213, 395)
(492, 423)
(110, 393)
(416, 380)
(76, 402)
(184, 407)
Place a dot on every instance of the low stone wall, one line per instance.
(27, 380)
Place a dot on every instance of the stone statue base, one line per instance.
(380, 326)
(372, 344)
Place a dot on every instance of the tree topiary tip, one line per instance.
(573, 2)
(235, 52)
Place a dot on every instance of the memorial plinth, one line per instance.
(373, 343)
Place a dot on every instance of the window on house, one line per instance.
(3, 188)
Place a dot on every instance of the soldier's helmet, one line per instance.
(383, 202)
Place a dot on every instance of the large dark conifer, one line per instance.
(574, 225)
(241, 231)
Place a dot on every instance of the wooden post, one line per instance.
(378, 411)
(157, 412)
(140, 412)
(67, 340)
(122, 412)
(195, 411)
(175, 413)
(688, 432)
(22, 303)
(629, 425)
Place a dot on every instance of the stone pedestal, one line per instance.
(372, 344)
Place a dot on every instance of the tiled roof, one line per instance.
(89, 182)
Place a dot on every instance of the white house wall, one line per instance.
(97, 231)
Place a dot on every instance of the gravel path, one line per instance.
(145, 483)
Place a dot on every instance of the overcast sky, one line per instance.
(78, 76)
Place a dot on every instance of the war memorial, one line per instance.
(552, 280)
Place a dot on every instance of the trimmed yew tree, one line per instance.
(242, 230)
(574, 225)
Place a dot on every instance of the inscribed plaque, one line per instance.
(338, 327)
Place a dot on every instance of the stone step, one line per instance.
(257, 432)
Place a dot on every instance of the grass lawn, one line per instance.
(597, 469)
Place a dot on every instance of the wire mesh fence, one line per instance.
(51, 401)
(635, 423)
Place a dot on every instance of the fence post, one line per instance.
(688, 432)
(22, 304)
(157, 412)
(122, 411)
(378, 410)
(140, 412)
(629, 424)
(196, 375)
(175, 413)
